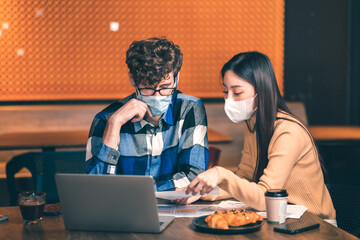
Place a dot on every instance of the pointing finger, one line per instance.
(191, 186)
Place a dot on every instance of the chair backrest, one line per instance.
(346, 200)
(43, 166)
(214, 155)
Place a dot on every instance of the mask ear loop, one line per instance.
(254, 99)
(137, 92)
(247, 123)
(177, 80)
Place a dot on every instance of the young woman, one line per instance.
(279, 151)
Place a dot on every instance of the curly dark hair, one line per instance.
(152, 60)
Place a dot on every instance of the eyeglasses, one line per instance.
(151, 91)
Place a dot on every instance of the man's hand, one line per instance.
(187, 200)
(133, 110)
(205, 182)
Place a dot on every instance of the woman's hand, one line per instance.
(205, 182)
(186, 200)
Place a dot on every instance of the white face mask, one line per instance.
(238, 111)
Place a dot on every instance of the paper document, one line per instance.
(198, 210)
(229, 204)
(292, 211)
(187, 210)
(172, 195)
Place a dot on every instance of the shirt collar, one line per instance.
(168, 116)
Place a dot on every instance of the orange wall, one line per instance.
(64, 50)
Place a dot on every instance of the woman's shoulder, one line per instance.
(285, 122)
(281, 115)
(291, 132)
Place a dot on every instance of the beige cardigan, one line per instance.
(293, 165)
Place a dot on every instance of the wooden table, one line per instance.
(52, 227)
(335, 134)
(50, 140)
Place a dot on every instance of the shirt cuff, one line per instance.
(108, 154)
(166, 185)
(181, 183)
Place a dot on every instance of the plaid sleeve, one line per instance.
(166, 185)
(193, 152)
(100, 159)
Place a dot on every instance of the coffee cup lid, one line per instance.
(276, 193)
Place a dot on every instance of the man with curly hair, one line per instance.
(157, 130)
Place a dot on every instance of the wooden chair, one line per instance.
(43, 166)
(214, 155)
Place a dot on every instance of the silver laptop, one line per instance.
(110, 203)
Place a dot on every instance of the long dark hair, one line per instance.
(256, 68)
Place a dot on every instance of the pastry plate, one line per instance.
(200, 223)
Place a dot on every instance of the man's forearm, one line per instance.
(112, 134)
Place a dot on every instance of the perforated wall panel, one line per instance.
(66, 50)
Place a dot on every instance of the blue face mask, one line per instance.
(158, 104)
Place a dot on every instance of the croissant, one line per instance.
(256, 217)
(233, 218)
(216, 221)
(237, 218)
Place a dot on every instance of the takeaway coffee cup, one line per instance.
(276, 202)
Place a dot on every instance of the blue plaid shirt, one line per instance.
(174, 152)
